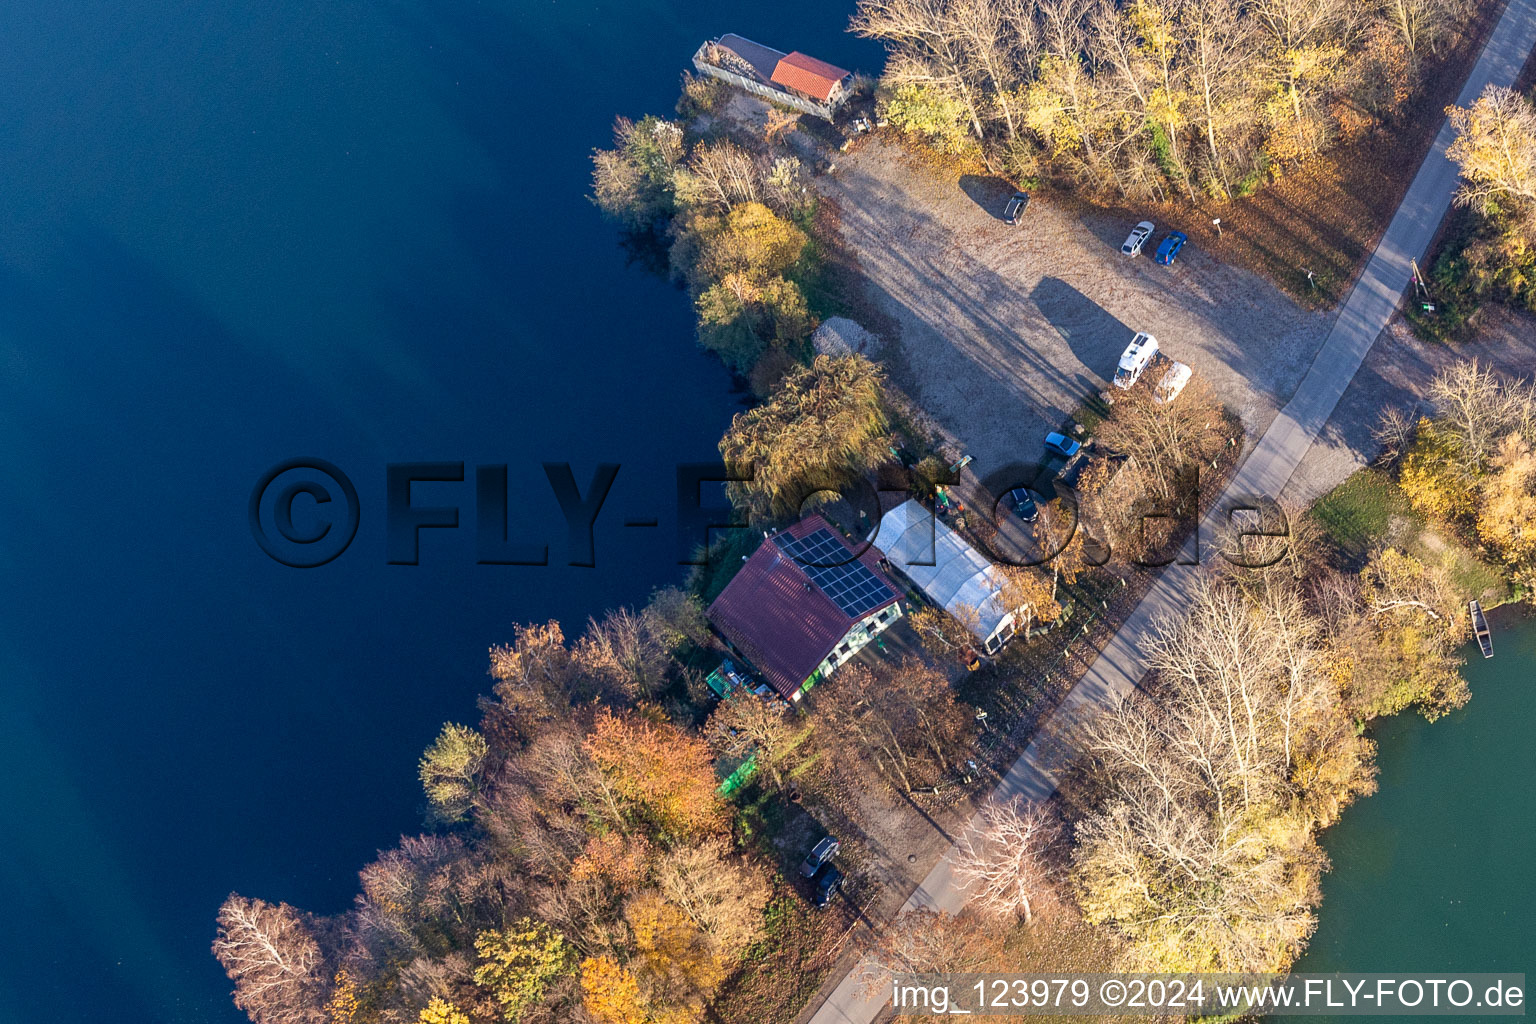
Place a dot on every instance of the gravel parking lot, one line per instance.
(1003, 331)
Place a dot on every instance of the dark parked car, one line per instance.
(827, 881)
(1168, 248)
(1061, 444)
(824, 851)
(1014, 211)
(1023, 504)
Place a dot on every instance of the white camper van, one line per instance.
(1136, 358)
(1172, 383)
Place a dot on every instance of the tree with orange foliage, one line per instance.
(659, 771)
(610, 994)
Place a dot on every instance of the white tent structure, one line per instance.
(953, 575)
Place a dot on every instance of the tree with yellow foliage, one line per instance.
(824, 425)
(1506, 515)
(610, 994)
(518, 963)
(440, 1011)
(676, 963)
(1028, 595)
(1435, 476)
(450, 771)
(1495, 146)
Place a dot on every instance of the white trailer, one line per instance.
(1136, 358)
(1172, 383)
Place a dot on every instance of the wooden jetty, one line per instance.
(1480, 627)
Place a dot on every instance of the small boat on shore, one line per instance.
(1480, 627)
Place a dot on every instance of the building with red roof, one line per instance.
(808, 76)
(794, 79)
(803, 604)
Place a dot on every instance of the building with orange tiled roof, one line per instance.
(794, 79)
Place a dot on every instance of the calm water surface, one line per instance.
(1434, 872)
(231, 233)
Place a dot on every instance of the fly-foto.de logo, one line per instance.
(305, 512)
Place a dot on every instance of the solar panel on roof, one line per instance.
(833, 568)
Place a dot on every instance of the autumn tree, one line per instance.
(1495, 146)
(922, 941)
(1506, 515)
(1477, 407)
(1060, 534)
(663, 774)
(1003, 858)
(425, 888)
(611, 994)
(928, 52)
(948, 637)
(1198, 845)
(1415, 618)
(744, 725)
(517, 964)
(721, 893)
(628, 651)
(1423, 24)
(1028, 595)
(536, 679)
(634, 182)
(440, 1011)
(825, 425)
(270, 954)
(676, 963)
(1165, 438)
(450, 771)
(904, 720)
(677, 618)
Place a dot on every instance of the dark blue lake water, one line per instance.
(235, 233)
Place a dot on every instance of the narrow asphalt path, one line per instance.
(1265, 473)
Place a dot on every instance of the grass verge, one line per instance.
(1369, 510)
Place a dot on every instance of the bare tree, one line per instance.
(274, 961)
(744, 725)
(1002, 859)
(931, 942)
(1220, 45)
(723, 894)
(1394, 433)
(625, 650)
(1198, 844)
(1480, 406)
(1495, 145)
(926, 49)
(1165, 437)
(1422, 23)
(720, 176)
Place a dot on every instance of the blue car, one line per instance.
(1168, 248)
(1061, 444)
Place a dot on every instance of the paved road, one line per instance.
(1267, 469)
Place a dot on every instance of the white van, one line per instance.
(1172, 383)
(1136, 358)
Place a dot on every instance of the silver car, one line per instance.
(1139, 235)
